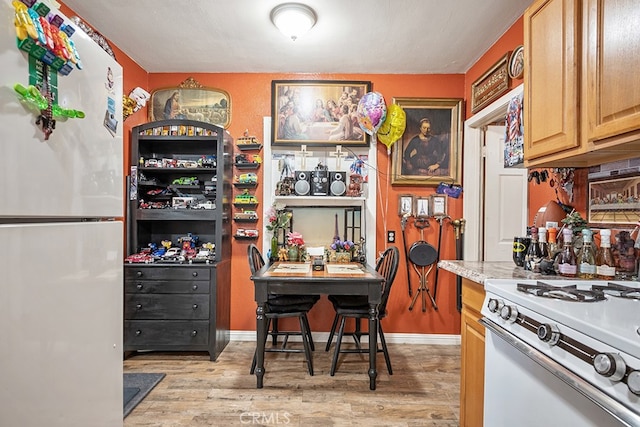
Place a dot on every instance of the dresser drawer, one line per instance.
(181, 272)
(166, 306)
(150, 334)
(138, 286)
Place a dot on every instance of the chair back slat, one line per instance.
(256, 262)
(387, 266)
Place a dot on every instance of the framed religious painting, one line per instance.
(190, 100)
(429, 152)
(317, 112)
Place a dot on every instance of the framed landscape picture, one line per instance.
(317, 112)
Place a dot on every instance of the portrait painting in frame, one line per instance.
(317, 112)
(429, 152)
(191, 101)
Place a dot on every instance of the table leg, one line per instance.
(261, 337)
(373, 344)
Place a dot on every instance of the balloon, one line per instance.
(393, 126)
(371, 112)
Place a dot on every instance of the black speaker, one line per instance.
(319, 182)
(302, 186)
(337, 183)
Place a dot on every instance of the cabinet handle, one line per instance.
(138, 306)
(194, 274)
(195, 287)
(138, 332)
(194, 333)
(195, 306)
(139, 273)
(139, 286)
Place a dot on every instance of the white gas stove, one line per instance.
(586, 336)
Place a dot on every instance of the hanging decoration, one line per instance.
(393, 126)
(371, 112)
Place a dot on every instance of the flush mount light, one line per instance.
(293, 19)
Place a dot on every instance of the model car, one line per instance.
(244, 159)
(144, 256)
(207, 162)
(245, 198)
(251, 233)
(205, 205)
(186, 180)
(246, 140)
(247, 178)
(246, 215)
(173, 255)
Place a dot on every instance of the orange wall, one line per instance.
(251, 101)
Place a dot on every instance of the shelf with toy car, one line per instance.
(246, 180)
(246, 216)
(247, 161)
(249, 147)
(246, 234)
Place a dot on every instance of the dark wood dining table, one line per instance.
(301, 279)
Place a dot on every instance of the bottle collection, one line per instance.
(576, 255)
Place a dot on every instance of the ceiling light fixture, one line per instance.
(293, 19)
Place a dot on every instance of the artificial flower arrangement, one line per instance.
(278, 217)
(295, 239)
(342, 245)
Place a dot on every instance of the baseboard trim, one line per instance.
(433, 339)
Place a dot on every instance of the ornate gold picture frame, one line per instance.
(192, 101)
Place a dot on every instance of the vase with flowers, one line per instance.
(295, 243)
(278, 220)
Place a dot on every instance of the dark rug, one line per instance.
(136, 388)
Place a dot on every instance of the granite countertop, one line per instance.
(479, 271)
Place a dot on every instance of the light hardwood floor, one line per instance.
(423, 390)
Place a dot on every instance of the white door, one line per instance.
(505, 199)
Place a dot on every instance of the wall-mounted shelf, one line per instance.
(246, 220)
(320, 200)
(247, 165)
(245, 184)
(245, 237)
(246, 205)
(249, 147)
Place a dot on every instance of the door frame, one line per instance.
(473, 173)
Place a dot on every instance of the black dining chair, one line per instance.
(357, 307)
(284, 306)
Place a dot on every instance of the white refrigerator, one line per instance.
(61, 209)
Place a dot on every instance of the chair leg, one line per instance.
(336, 351)
(253, 363)
(332, 333)
(274, 334)
(383, 343)
(308, 331)
(357, 332)
(305, 342)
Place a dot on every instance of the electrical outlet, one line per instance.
(391, 236)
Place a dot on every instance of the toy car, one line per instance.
(245, 198)
(205, 205)
(246, 215)
(244, 159)
(207, 162)
(247, 178)
(173, 255)
(144, 256)
(251, 233)
(186, 180)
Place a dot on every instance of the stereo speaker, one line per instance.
(302, 185)
(319, 182)
(337, 185)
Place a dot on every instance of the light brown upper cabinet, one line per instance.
(582, 96)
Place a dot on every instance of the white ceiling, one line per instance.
(351, 36)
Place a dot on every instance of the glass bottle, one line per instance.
(605, 265)
(534, 256)
(542, 241)
(274, 246)
(587, 256)
(625, 257)
(567, 263)
(552, 241)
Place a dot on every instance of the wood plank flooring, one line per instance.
(423, 390)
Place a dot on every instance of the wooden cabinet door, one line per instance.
(472, 357)
(611, 93)
(551, 84)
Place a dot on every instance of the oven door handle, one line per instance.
(603, 400)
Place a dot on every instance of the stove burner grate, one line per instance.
(565, 293)
(617, 290)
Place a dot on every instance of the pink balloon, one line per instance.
(372, 111)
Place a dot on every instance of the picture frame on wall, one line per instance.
(191, 101)
(317, 112)
(614, 202)
(429, 151)
(422, 208)
(405, 205)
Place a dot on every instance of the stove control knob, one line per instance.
(509, 313)
(633, 382)
(549, 333)
(495, 305)
(610, 365)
